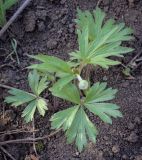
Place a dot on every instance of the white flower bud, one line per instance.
(83, 84)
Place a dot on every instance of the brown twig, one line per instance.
(134, 58)
(34, 146)
(5, 86)
(29, 140)
(16, 132)
(6, 65)
(7, 153)
(12, 19)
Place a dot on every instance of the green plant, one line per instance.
(4, 6)
(75, 121)
(33, 100)
(98, 43)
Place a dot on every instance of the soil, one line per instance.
(47, 26)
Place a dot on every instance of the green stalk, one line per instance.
(2, 14)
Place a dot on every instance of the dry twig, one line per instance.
(7, 153)
(29, 140)
(12, 19)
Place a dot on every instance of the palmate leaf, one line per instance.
(33, 101)
(62, 82)
(18, 97)
(55, 65)
(94, 102)
(104, 111)
(99, 93)
(98, 41)
(74, 121)
(77, 125)
(64, 118)
(81, 130)
(51, 64)
(68, 92)
(37, 84)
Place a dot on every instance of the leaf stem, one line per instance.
(8, 87)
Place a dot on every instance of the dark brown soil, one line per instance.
(47, 26)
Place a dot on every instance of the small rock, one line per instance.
(139, 100)
(132, 138)
(41, 26)
(125, 84)
(131, 3)
(9, 116)
(51, 44)
(30, 21)
(139, 157)
(77, 153)
(137, 120)
(64, 20)
(106, 138)
(71, 28)
(131, 126)
(115, 149)
(125, 157)
(41, 14)
(62, 1)
(100, 156)
(140, 149)
(106, 2)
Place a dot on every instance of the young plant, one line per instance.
(4, 6)
(33, 100)
(98, 43)
(74, 121)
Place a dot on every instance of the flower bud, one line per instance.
(83, 84)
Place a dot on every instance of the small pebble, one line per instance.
(139, 157)
(139, 100)
(137, 120)
(51, 44)
(125, 157)
(115, 149)
(41, 26)
(131, 126)
(133, 137)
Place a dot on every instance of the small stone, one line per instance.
(77, 153)
(63, 1)
(71, 28)
(131, 3)
(137, 120)
(106, 2)
(64, 20)
(131, 126)
(115, 149)
(41, 26)
(139, 100)
(125, 84)
(140, 149)
(51, 44)
(100, 156)
(106, 138)
(9, 116)
(125, 157)
(139, 157)
(132, 138)
(30, 21)
(41, 14)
